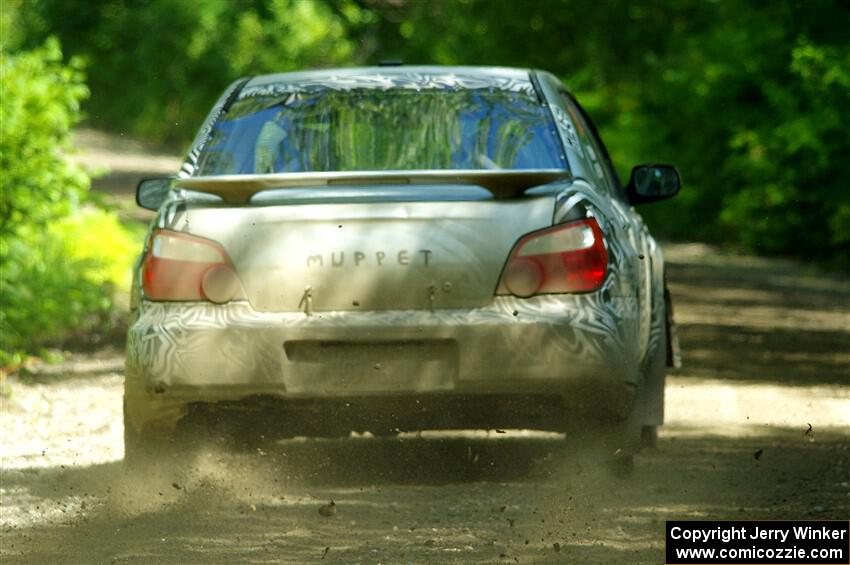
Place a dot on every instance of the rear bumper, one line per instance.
(276, 417)
(577, 347)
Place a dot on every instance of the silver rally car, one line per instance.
(393, 249)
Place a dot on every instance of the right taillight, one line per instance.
(565, 258)
(180, 267)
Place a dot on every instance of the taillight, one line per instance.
(179, 266)
(566, 258)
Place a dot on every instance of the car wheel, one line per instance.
(621, 442)
(649, 437)
(148, 448)
(654, 378)
(137, 446)
(621, 466)
(617, 443)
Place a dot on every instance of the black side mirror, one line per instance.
(650, 183)
(151, 193)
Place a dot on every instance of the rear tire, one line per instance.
(148, 448)
(654, 377)
(621, 466)
(621, 442)
(649, 437)
(138, 448)
(618, 443)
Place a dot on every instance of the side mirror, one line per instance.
(650, 183)
(151, 193)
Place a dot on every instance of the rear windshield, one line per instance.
(373, 130)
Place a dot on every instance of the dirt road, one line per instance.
(758, 426)
(767, 352)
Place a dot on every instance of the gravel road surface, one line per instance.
(767, 353)
(758, 427)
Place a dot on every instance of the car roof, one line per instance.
(401, 76)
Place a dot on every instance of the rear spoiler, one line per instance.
(238, 189)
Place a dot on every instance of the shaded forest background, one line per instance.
(749, 98)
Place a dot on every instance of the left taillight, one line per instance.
(182, 267)
(563, 259)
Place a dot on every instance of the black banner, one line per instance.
(799, 542)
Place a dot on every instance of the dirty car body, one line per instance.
(391, 249)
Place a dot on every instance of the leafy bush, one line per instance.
(61, 283)
(754, 111)
(60, 259)
(41, 102)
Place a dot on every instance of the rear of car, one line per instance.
(383, 250)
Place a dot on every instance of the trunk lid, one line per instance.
(370, 255)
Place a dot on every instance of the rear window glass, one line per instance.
(372, 130)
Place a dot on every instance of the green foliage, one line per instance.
(61, 282)
(59, 260)
(751, 110)
(11, 30)
(749, 99)
(41, 101)
(171, 59)
(746, 97)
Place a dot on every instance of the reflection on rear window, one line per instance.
(368, 130)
